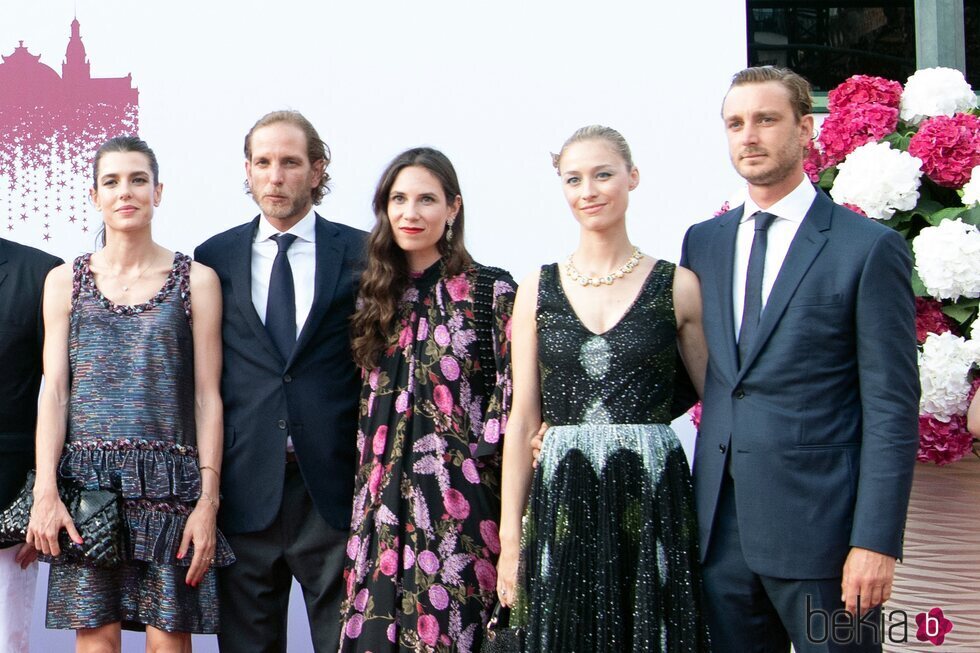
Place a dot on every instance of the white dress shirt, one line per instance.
(302, 260)
(789, 212)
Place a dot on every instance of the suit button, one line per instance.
(287, 379)
(740, 394)
(282, 424)
(722, 448)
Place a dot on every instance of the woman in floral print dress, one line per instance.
(432, 335)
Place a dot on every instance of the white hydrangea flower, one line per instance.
(971, 190)
(935, 92)
(879, 179)
(944, 367)
(946, 258)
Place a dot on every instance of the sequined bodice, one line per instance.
(623, 376)
(132, 367)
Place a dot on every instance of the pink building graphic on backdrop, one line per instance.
(50, 127)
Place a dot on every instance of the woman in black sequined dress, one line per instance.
(608, 548)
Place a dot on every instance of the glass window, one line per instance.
(829, 41)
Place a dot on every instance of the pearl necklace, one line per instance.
(609, 279)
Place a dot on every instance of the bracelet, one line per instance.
(216, 472)
(210, 499)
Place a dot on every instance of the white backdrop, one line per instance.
(496, 86)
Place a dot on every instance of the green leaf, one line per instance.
(950, 213)
(918, 287)
(901, 218)
(962, 310)
(971, 215)
(898, 141)
(827, 178)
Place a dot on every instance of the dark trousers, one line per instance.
(750, 613)
(254, 591)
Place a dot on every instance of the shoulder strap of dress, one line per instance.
(79, 268)
(483, 316)
(182, 263)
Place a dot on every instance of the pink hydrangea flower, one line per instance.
(443, 398)
(378, 442)
(470, 472)
(949, 148)
(854, 207)
(695, 414)
(490, 533)
(449, 367)
(929, 318)
(813, 164)
(388, 563)
(486, 575)
(428, 562)
(438, 597)
(354, 626)
(853, 125)
(428, 629)
(725, 208)
(943, 442)
(865, 89)
(456, 504)
(458, 287)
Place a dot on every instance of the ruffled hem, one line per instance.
(155, 535)
(137, 469)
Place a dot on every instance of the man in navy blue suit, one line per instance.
(803, 462)
(290, 391)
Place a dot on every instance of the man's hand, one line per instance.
(869, 575)
(536, 443)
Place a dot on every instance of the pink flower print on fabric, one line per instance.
(423, 330)
(470, 472)
(438, 597)
(449, 367)
(408, 557)
(458, 287)
(486, 575)
(353, 544)
(379, 440)
(428, 562)
(456, 504)
(443, 397)
(428, 629)
(360, 601)
(388, 564)
(490, 533)
(491, 431)
(441, 335)
(354, 626)
(401, 403)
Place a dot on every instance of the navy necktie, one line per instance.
(752, 309)
(280, 310)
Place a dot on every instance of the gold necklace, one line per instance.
(595, 282)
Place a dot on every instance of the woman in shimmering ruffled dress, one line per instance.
(131, 404)
(608, 547)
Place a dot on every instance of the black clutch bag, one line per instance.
(500, 637)
(96, 515)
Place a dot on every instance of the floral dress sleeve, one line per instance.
(498, 407)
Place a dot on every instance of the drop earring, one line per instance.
(449, 231)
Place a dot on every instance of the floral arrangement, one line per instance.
(910, 158)
(907, 157)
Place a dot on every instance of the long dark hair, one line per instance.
(387, 273)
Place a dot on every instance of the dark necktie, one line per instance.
(752, 309)
(280, 311)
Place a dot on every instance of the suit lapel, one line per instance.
(806, 245)
(724, 255)
(329, 261)
(241, 283)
